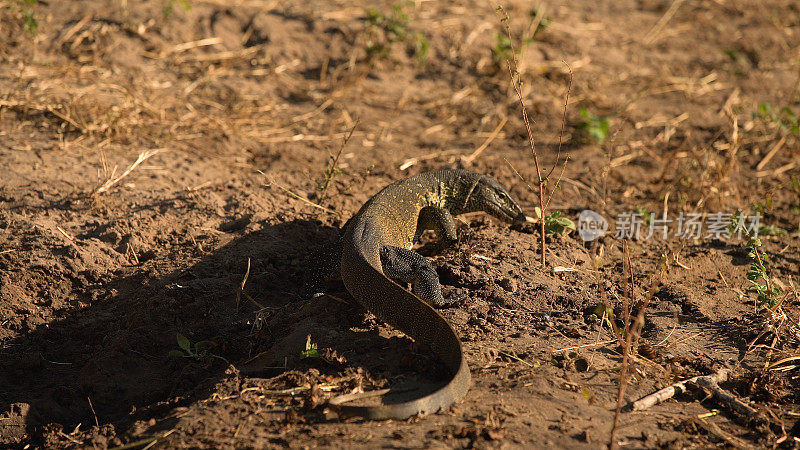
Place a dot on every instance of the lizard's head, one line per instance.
(490, 196)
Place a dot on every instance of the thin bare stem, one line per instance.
(330, 172)
(513, 71)
(563, 126)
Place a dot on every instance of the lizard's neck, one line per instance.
(459, 187)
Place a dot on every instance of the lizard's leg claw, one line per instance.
(451, 300)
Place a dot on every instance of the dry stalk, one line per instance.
(632, 330)
(411, 161)
(654, 32)
(240, 292)
(271, 182)
(143, 156)
(468, 159)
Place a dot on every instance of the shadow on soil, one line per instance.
(109, 362)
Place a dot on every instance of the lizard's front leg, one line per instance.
(408, 266)
(440, 221)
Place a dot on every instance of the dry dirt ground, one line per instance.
(235, 108)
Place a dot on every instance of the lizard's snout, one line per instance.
(520, 218)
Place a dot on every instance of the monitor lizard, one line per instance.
(376, 255)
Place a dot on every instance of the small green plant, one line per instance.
(421, 48)
(646, 215)
(25, 8)
(311, 349)
(762, 207)
(784, 119)
(332, 168)
(383, 30)
(555, 223)
(605, 314)
(502, 50)
(198, 351)
(169, 7)
(768, 294)
(594, 126)
(741, 62)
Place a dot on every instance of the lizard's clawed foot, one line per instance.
(451, 300)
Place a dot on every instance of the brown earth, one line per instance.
(245, 101)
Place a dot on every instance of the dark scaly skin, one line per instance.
(392, 220)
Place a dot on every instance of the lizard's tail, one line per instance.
(391, 303)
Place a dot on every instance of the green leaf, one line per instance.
(177, 354)
(311, 349)
(311, 353)
(772, 230)
(601, 310)
(29, 21)
(594, 126)
(422, 49)
(184, 343)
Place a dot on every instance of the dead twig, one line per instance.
(66, 235)
(479, 150)
(542, 179)
(730, 401)
(91, 406)
(271, 182)
(653, 33)
(143, 156)
(577, 347)
(516, 82)
(670, 391)
(730, 439)
(411, 161)
(242, 292)
(71, 32)
(771, 153)
(633, 329)
(180, 48)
